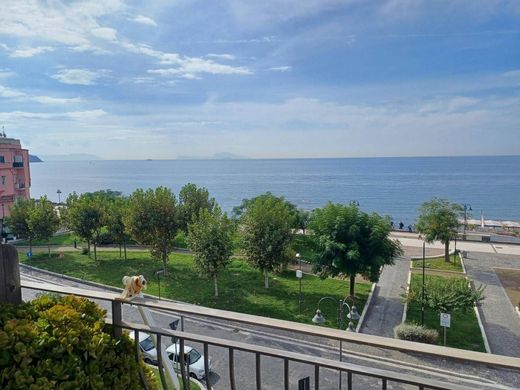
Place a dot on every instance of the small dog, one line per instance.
(133, 286)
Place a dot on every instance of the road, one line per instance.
(475, 376)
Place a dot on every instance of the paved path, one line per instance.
(386, 309)
(501, 322)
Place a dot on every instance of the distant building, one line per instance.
(15, 176)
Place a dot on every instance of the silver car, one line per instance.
(147, 347)
(194, 359)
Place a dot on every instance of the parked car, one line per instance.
(192, 357)
(147, 347)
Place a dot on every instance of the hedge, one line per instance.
(64, 343)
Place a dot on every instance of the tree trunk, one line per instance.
(266, 279)
(447, 251)
(49, 249)
(165, 262)
(216, 286)
(88, 248)
(120, 250)
(352, 285)
(95, 252)
(124, 246)
(30, 245)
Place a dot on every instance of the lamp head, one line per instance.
(351, 327)
(353, 315)
(318, 318)
(297, 255)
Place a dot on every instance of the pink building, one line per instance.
(15, 176)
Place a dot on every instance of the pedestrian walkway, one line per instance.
(386, 309)
(499, 318)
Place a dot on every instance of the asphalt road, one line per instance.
(470, 375)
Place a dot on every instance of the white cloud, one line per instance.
(77, 76)
(143, 20)
(281, 68)
(106, 33)
(30, 52)
(229, 57)
(6, 92)
(55, 100)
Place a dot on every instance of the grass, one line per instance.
(464, 332)
(241, 287)
(438, 263)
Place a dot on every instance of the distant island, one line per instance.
(216, 156)
(34, 159)
(71, 157)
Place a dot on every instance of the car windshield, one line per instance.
(147, 344)
(193, 356)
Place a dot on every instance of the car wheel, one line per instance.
(147, 361)
(193, 375)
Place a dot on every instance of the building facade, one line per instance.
(15, 175)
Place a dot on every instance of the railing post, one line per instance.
(10, 290)
(117, 318)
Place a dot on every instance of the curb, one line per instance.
(365, 309)
(462, 263)
(517, 311)
(405, 309)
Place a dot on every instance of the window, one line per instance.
(2, 159)
(3, 180)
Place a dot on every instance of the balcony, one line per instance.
(19, 186)
(246, 361)
(18, 164)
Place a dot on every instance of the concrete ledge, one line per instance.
(482, 330)
(452, 252)
(365, 309)
(462, 263)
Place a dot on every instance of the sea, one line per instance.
(389, 186)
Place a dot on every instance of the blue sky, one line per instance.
(295, 78)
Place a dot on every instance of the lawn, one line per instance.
(65, 239)
(439, 263)
(240, 286)
(306, 246)
(464, 332)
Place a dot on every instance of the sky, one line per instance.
(261, 79)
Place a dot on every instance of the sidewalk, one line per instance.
(386, 309)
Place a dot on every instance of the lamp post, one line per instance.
(3, 219)
(353, 315)
(158, 276)
(299, 275)
(59, 196)
(466, 208)
(423, 268)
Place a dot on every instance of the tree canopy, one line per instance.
(266, 224)
(43, 220)
(439, 221)
(151, 219)
(352, 242)
(210, 239)
(192, 200)
(18, 221)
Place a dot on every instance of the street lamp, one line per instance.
(3, 219)
(59, 196)
(423, 267)
(352, 315)
(466, 208)
(158, 276)
(299, 275)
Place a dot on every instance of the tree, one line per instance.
(439, 221)
(210, 239)
(85, 216)
(266, 232)
(192, 200)
(43, 220)
(303, 219)
(151, 219)
(18, 221)
(352, 242)
(115, 222)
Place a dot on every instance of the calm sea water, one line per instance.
(390, 186)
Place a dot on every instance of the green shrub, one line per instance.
(84, 251)
(417, 333)
(63, 342)
(105, 238)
